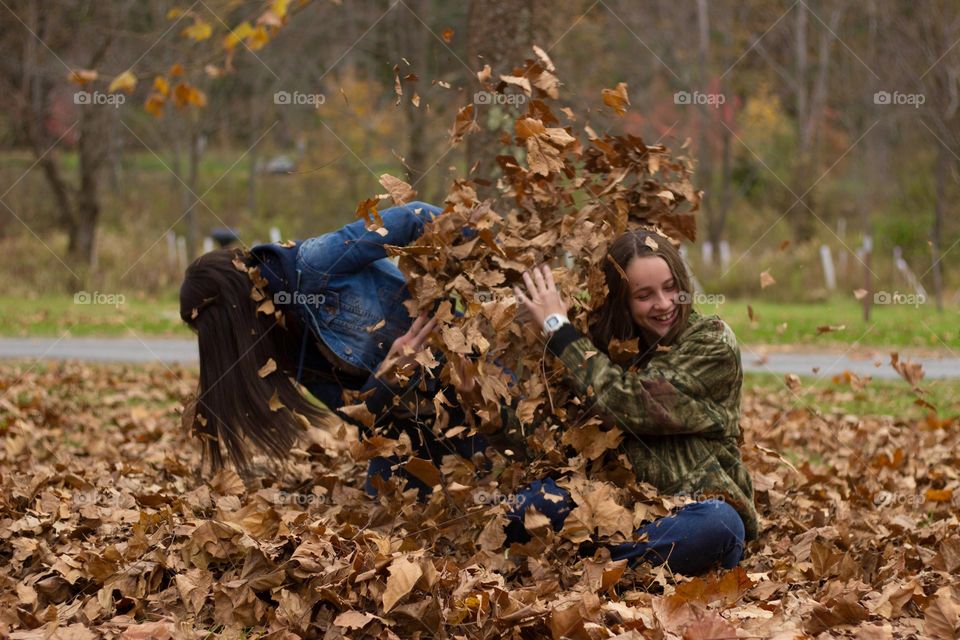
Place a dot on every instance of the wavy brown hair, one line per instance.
(612, 320)
(233, 401)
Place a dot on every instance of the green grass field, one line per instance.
(890, 325)
(797, 323)
(60, 315)
(878, 397)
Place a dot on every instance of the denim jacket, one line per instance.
(342, 286)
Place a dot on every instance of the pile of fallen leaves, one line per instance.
(107, 531)
(564, 193)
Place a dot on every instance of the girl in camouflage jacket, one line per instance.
(680, 408)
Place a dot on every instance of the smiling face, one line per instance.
(653, 295)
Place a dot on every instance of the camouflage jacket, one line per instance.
(680, 413)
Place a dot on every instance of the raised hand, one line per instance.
(542, 297)
(400, 356)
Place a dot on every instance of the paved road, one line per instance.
(101, 349)
(185, 351)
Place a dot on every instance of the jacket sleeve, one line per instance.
(379, 401)
(383, 394)
(353, 247)
(677, 393)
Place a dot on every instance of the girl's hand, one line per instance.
(399, 357)
(542, 298)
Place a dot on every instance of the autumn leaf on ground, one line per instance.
(404, 573)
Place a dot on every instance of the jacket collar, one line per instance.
(278, 264)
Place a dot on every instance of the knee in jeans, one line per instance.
(732, 523)
(720, 521)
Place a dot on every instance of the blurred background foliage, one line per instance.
(800, 147)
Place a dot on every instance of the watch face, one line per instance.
(553, 323)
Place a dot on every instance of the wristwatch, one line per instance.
(553, 322)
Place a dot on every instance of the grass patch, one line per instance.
(878, 398)
(59, 315)
(893, 325)
(890, 326)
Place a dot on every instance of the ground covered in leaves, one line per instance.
(106, 530)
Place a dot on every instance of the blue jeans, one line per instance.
(691, 541)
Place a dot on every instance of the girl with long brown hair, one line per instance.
(326, 314)
(679, 404)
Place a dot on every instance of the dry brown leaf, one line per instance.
(268, 367)
(399, 191)
(404, 573)
(617, 98)
(941, 618)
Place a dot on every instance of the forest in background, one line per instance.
(130, 131)
(814, 123)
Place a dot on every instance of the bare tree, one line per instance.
(935, 32)
(811, 84)
(44, 45)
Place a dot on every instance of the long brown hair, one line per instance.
(233, 400)
(612, 320)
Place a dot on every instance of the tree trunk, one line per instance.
(810, 108)
(500, 34)
(704, 164)
(872, 167)
(936, 238)
(718, 221)
(193, 171)
(86, 213)
(800, 211)
(253, 105)
(413, 46)
(78, 208)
